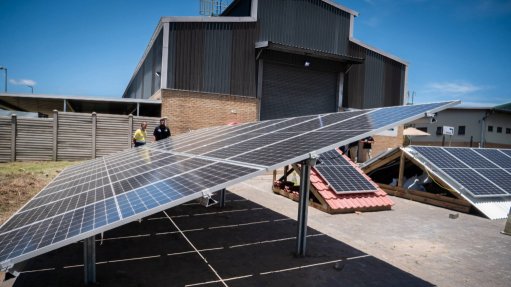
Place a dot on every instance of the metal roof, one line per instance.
(306, 51)
(81, 98)
(388, 55)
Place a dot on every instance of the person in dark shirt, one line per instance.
(161, 131)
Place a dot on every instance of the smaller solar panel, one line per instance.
(481, 172)
(341, 176)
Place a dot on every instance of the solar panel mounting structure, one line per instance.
(104, 193)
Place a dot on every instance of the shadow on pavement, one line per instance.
(244, 243)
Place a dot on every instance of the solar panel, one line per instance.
(498, 157)
(341, 176)
(104, 193)
(479, 172)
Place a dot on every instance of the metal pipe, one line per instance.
(5, 69)
(221, 200)
(303, 205)
(89, 258)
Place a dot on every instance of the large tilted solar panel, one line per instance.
(480, 172)
(101, 194)
(340, 175)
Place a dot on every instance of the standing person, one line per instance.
(161, 131)
(140, 135)
(367, 145)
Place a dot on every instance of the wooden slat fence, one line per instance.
(68, 136)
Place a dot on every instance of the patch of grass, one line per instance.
(20, 181)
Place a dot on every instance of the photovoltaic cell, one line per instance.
(94, 196)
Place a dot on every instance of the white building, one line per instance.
(473, 126)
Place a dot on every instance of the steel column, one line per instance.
(221, 200)
(89, 258)
(303, 205)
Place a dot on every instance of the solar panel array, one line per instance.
(481, 172)
(341, 176)
(104, 193)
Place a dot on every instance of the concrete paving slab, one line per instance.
(415, 237)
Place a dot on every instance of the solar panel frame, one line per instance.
(405, 114)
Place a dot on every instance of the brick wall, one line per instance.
(188, 110)
(382, 143)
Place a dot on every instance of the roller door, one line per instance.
(290, 91)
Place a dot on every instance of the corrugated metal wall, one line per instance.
(379, 81)
(5, 143)
(313, 24)
(212, 57)
(34, 139)
(146, 82)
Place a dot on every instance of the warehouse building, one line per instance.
(264, 59)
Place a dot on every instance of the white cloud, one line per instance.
(454, 88)
(23, 82)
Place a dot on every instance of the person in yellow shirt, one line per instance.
(140, 135)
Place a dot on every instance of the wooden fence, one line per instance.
(68, 136)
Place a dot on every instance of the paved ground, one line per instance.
(251, 243)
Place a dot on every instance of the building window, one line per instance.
(490, 128)
(439, 131)
(461, 130)
(508, 131)
(499, 130)
(424, 129)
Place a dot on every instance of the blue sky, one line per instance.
(456, 49)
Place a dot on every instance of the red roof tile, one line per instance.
(377, 200)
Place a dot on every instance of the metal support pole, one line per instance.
(89, 258)
(221, 200)
(303, 205)
(64, 109)
(138, 109)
